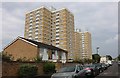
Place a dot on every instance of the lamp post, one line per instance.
(97, 48)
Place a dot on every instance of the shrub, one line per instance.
(38, 59)
(24, 59)
(78, 61)
(19, 60)
(49, 68)
(7, 57)
(28, 71)
(87, 61)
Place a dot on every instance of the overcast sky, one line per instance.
(100, 18)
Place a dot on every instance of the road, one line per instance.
(0, 69)
(111, 72)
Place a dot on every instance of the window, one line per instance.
(31, 17)
(36, 39)
(57, 21)
(57, 43)
(57, 31)
(57, 18)
(57, 39)
(37, 15)
(37, 22)
(57, 25)
(30, 23)
(30, 30)
(57, 35)
(37, 11)
(57, 28)
(36, 33)
(37, 19)
(30, 37)
(36, 27)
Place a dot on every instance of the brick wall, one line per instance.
(11, 69)
(21, 49)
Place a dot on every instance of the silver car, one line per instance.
(75, 71)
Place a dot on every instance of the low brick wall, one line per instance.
(11, 69)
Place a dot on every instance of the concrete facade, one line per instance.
(83, 45)
(78, 46)
(51, 26)
(87, 42)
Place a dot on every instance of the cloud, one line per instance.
(0, 26)
(113, 39)
(12, 26)
(61, 1)
(99, 18)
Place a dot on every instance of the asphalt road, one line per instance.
(0, 69)
(111, 72)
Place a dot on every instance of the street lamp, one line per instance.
(97, 48)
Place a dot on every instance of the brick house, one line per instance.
(29, 49)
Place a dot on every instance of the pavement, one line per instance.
(0, 69)
(111, 72)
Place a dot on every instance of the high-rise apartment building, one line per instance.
(51, 26)
(86, 45)
(38, 25)
(83, 46)
(78, 46)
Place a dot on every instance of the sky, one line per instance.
(99, 18)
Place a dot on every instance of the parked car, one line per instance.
(119, 63)
(110, 62)
(75, 71)
(99, 67)
(104, 66)
(108, 65)
(93, 68)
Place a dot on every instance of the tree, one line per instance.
(96, 58)
(119, 58)
(109, 57)
(7, 57)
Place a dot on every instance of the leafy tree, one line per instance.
(109, 57)
(7, 57)
(119, 58)
(96, 58)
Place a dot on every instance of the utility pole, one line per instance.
(97, 49)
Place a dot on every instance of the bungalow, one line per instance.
(29, 49)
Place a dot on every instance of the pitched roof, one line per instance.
(16, 40)
(39, 44)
